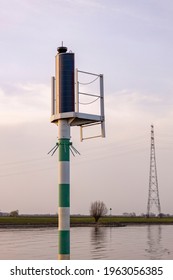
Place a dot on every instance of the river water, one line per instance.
(154, 242)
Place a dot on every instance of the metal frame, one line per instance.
(101, 122)
(78, 118)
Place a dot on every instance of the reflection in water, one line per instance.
(155, 250)
(98, 242)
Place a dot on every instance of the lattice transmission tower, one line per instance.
(153, 193)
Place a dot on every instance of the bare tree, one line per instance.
(98, 209)
(14, 213)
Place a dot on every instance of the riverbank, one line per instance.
(81, 221)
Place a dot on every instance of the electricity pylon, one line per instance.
(153, 194)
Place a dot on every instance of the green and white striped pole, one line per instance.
(64, 190)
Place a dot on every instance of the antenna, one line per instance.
(153, 193)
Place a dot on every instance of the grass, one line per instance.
(136, 220)
(21, 220)
(81, 220)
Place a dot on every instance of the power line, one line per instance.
(26, 172)
(23, 161)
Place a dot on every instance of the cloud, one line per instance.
(22, 103)
(88, 4)
(30, 102)
(137, 104)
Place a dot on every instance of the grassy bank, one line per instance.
(122, 220)
(27, 221)
(81, 221)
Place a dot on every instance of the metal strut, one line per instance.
(54, 149)
(73, 150)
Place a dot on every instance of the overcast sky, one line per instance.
(131, 43)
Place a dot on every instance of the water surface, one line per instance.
(126, 243)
